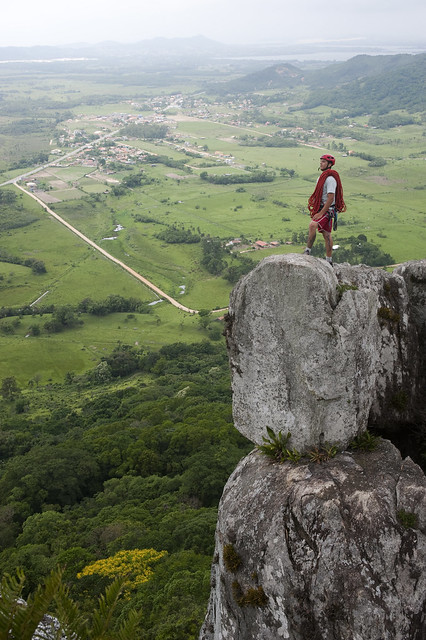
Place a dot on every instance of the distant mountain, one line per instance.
(361, 84)
(372, 84)
(278, 76)
(198, 45)
(364, 83)
(357, 68)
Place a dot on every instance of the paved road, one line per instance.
(124, 266)
(55, 162)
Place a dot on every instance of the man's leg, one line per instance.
(312, 232)
(328, 246)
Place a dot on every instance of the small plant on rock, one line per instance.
(322, 454)
(232, 560)
(341, 288)
(407, 519)
(293, 455)
(275, 446)
(365, 441)
(385, 313)
(253, 597)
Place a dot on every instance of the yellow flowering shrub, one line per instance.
(135, 565)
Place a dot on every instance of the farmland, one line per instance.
(124, 191)
(116, 429)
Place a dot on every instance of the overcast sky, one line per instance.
(29, 22)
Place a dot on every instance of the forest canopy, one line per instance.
(138, 466)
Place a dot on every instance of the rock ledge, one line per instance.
(327, 547)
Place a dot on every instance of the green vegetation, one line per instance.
(37, 266)
(407, 519)
(264, 141)
(385, 313)
(323, 453)
(20, 620)
(397, 86)
(231, 559)
(341, 288)
(357, 250)
(174, 235)
(94, 469)
(365, 441)
(276, 447)
(253, 597)
(256, 176)
(115, 408)
(147, 131)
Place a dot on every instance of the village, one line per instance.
(105, 149)
(167, 111)
(100, 146)
(98, 143)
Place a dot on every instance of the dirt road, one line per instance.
(124, 266)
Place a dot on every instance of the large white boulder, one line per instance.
(318, 351)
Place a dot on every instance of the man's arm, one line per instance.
(325, 208)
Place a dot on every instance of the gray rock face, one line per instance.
(49, 629)
(320, 552)
(333, 551)
(414, 275)
(319, 351)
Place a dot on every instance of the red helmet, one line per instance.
(329, 158)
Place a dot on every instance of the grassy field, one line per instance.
(386, 203)
(50, 356)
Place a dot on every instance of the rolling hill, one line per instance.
(363, 84)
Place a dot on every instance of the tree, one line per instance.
(62, 318)
(174, 600)
(203, 316)
(7, 196)
(213, 253)
(9, 388)
(175, 235)
(34, 329)
(118, 190)
(20, 620)
(43, 528)
(236, 271)
(49, 474)
(133, 566)
(38, 266)
(122, 361)
(102, 372)
(132, 181)
(145, 130)
(215, 331)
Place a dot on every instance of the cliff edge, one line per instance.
(320, 352)
(331, 551)
(321, 552)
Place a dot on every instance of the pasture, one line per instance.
(385, 203)
(50, 356)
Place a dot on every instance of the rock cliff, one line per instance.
(321, 552)
(319, 352)
(332, 551)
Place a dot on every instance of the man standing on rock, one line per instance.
(324, 204)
